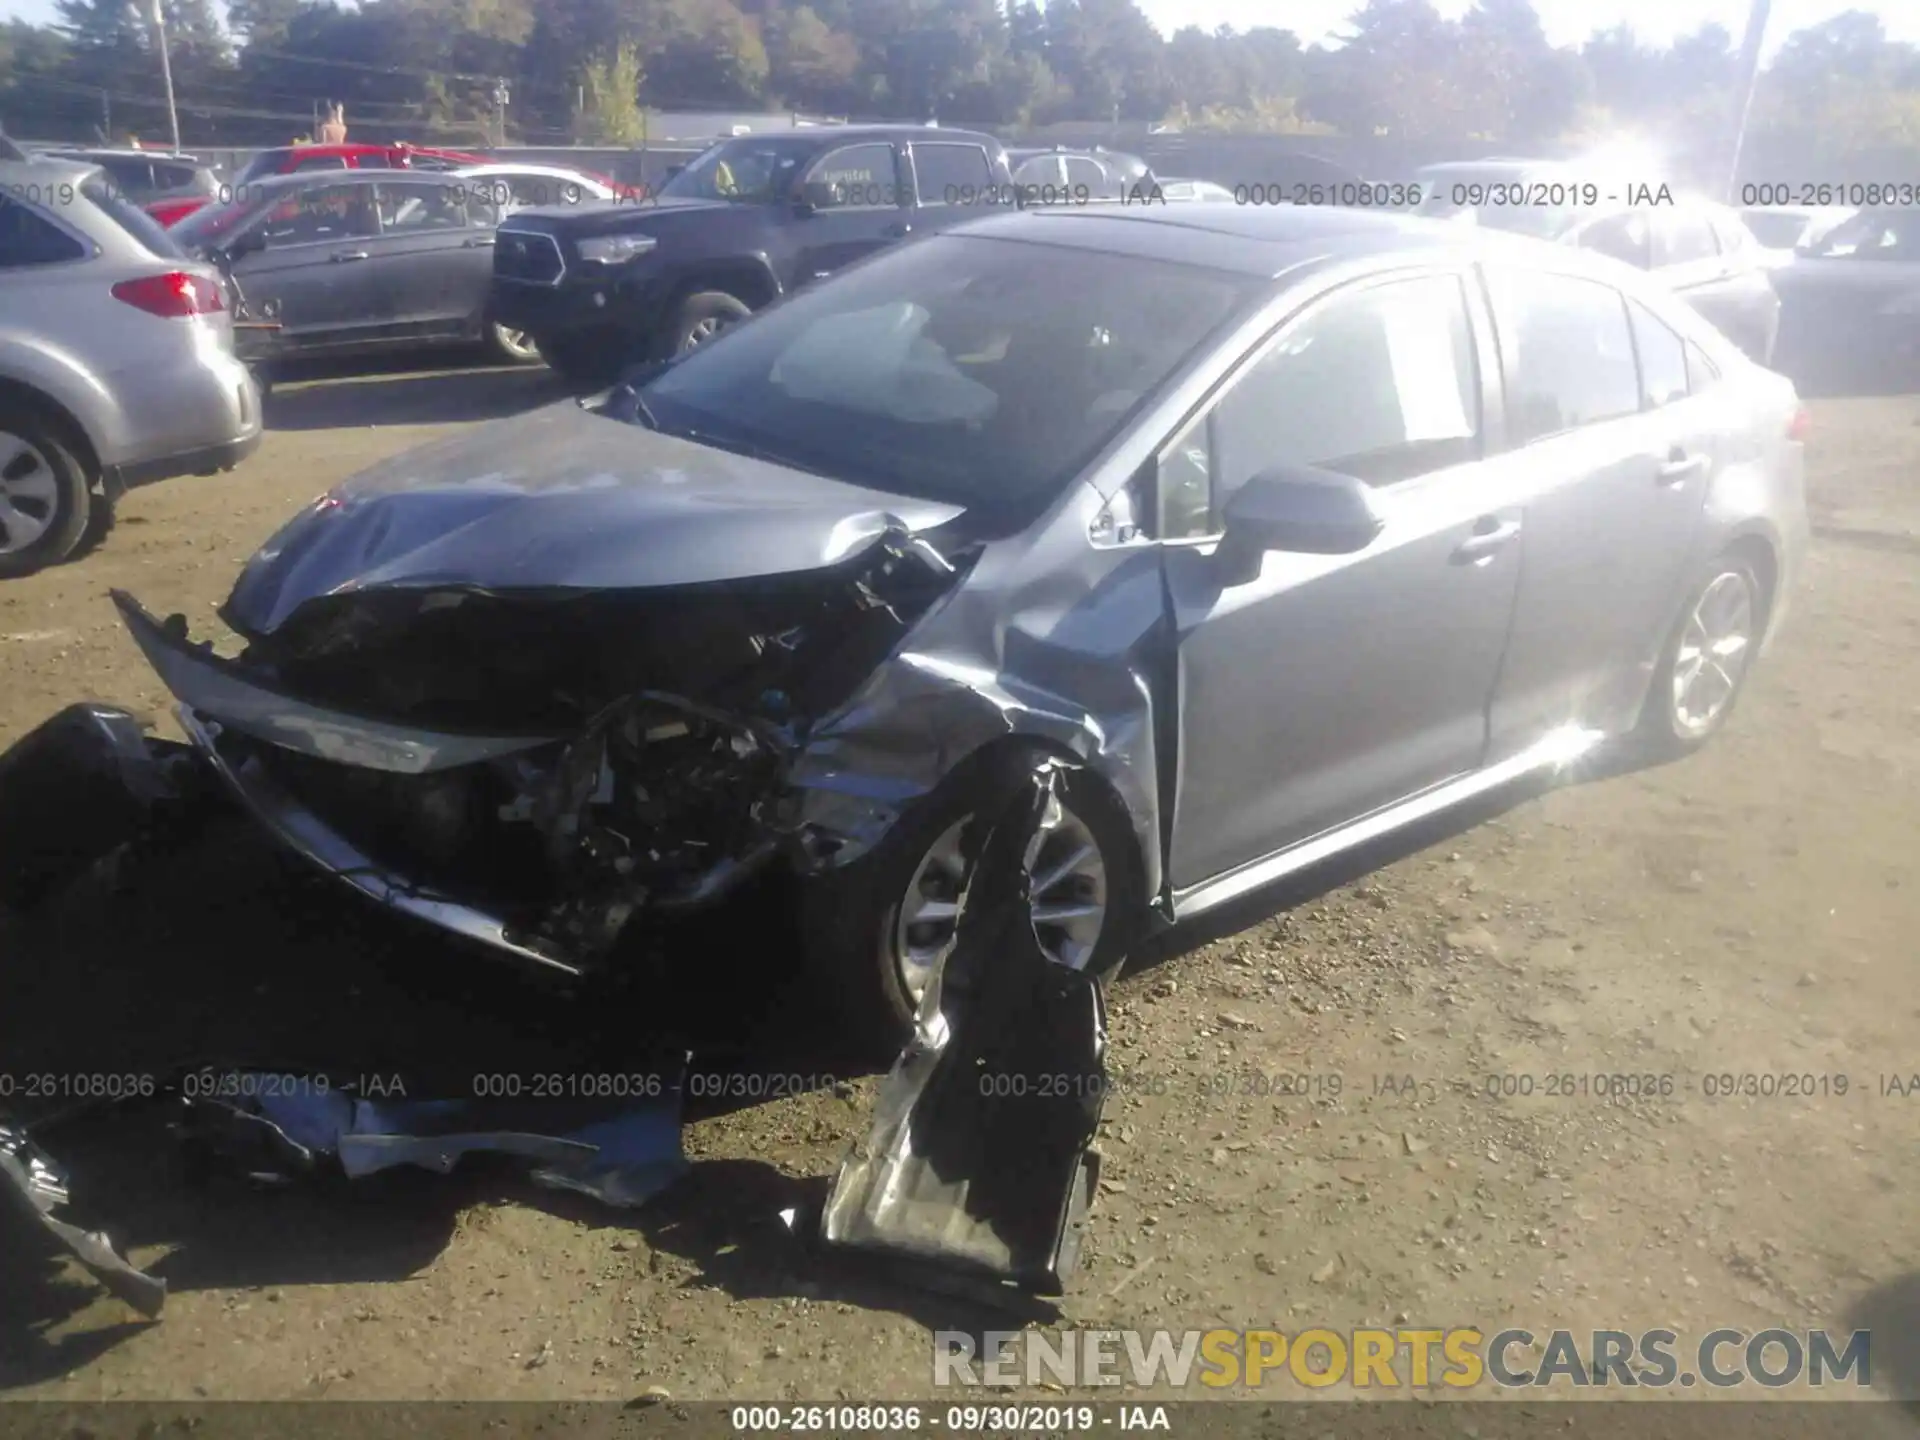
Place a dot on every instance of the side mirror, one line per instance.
(1302, 510)
(250, 243)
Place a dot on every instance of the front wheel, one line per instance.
(514, 347)
(1707, 660)
(878, 930)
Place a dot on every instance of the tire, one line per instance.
(701, 316)
(510, 347)
(46, 495)
(1671, 726)
(850, 917)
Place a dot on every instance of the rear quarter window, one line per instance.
(29, 238)
(144, 230)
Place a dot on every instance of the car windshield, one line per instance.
(984, 372)
(746, 171)
(148, 231)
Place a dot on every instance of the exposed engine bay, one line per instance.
(680, 711)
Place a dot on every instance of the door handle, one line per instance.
(478, 242)
(1490, 536)
(341, 257)
(1679, 469)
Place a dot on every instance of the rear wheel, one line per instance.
(514, 347)
(1708, 657)
(701, 316)
(46, 495)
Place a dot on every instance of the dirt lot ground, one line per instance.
(1750, 912)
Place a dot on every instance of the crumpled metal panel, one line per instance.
(978, 1159)
(1047, 637)
(37, 1187)
(621, 1151)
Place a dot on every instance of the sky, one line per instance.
(1567, 21)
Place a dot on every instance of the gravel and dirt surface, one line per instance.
(1380, 1096)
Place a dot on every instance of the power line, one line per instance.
(371, 69)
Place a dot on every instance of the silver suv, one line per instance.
(116, 360)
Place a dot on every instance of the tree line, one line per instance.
(559, 71)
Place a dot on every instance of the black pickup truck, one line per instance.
(602, 286)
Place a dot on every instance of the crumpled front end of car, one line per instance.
(530, 769)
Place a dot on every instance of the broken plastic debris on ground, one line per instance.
(979, 1155)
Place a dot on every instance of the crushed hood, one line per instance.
(564, 499)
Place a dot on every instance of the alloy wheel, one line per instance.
(29, 494)
(703, 331)
(1069, 898)
(1715, 647)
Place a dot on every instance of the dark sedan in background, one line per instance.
(355, 261)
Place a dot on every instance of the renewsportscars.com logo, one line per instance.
(1459, 1358)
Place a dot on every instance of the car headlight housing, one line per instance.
(615, 249)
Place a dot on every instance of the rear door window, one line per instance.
(949, 174)
(1568, 352)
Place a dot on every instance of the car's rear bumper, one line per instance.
(196, 415)
(206, 460)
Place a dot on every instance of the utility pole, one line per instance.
(501, 95)
(159, 23)
(1750, 49)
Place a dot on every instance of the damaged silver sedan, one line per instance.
(1288, 526)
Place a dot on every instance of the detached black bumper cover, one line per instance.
(978, 1159)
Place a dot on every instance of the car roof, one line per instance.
(1503, 165)
(1271, 240)
(100, 152)
(825, 135)
(39, 168)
